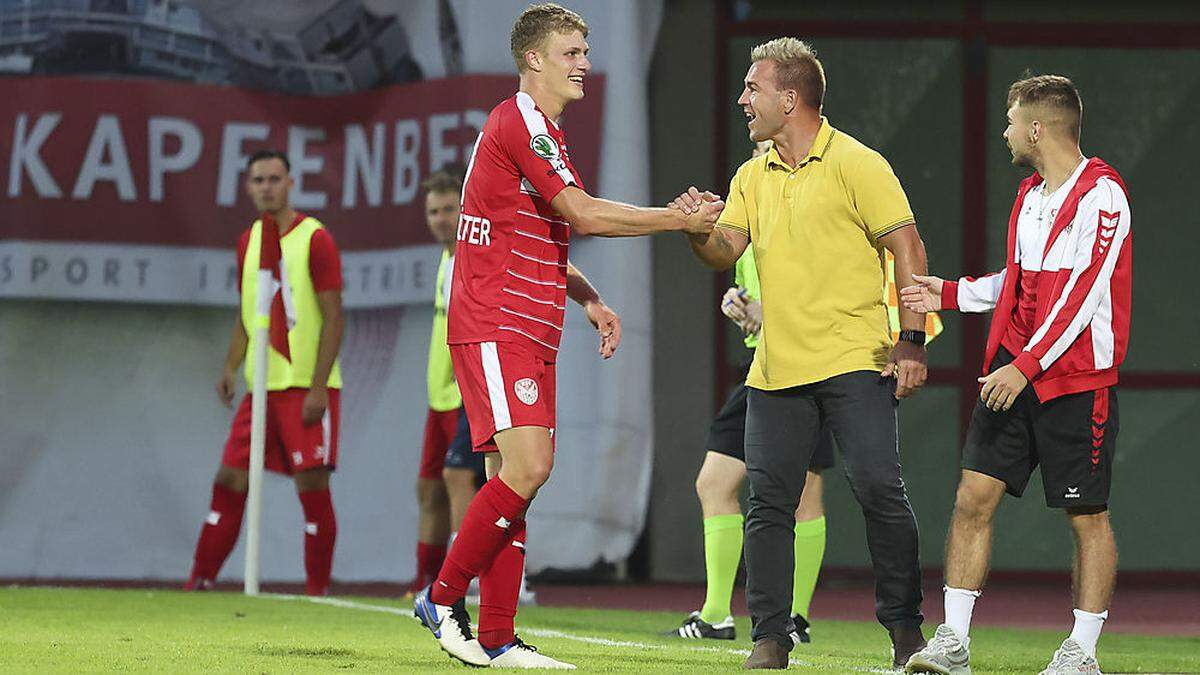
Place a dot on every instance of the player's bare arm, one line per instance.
(330, 304)
(720, 248)
(907, 362)
(238, 342)
(603, 218)
(603, 318)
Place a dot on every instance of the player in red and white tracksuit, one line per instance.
(1060, 329)
(512, 278)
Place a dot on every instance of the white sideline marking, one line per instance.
(555, 634)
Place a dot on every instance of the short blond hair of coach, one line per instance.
(820, 208)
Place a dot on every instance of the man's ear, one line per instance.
(533, 60)
(790, 100)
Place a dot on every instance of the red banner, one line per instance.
(161, 163)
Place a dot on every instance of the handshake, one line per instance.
(700, 210)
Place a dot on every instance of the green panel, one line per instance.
(929, 451)
(903, 98)
(1139, 116)
(1082, 11)
(1153, 502)
(860, 10)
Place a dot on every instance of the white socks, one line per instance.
(959, 604)
(1087, 629)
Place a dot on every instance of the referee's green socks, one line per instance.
(722, 554)
(810, 550)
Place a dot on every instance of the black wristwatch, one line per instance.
(917, 337)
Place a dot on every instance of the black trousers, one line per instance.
(781, 434)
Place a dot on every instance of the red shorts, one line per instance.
(290, 445)
(440, 428)
(503, 385)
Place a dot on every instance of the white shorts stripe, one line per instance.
(495, 385)
(326, 429)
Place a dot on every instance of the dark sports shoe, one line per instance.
(695, 628)
(802, 634)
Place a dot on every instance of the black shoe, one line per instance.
(801, 635)
(695, 628)
(768, 654)
(906, 641)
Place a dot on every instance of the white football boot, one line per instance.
(452, 628)
(517, 654)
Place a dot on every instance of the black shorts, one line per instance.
(1071, 437)
(461, 454)
(727, 433)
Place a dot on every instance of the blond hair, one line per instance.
(796, 67)
(536, 23)
(1054, 93)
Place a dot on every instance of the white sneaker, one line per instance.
(452, 628)
(945, 654)
(1070, 659)
(517, 654)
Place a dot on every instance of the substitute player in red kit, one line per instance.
(302, 384)
(512, 277)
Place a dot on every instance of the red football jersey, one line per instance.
(510, 262)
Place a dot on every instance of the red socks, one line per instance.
(320, 532)
(217, 537)
(500, 589)
(486, 529)
(429, 562)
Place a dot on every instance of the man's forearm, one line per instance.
(238, 343)
(604, 218)
(715, 248)
(579, 288)
(330, 340)
(910, 260)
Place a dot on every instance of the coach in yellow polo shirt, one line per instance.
(819, 209)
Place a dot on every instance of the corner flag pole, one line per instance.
(258, 429)
(265, 293)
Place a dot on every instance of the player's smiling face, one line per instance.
(761, 102)
(565, 64)
(268, 184)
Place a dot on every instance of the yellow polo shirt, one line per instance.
(815, 230)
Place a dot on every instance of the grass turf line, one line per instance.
(74, 630)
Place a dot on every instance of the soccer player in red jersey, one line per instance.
(512, 277)
(302, 387)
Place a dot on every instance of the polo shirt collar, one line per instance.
(819, 147)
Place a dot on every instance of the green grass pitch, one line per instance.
(86, 630)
